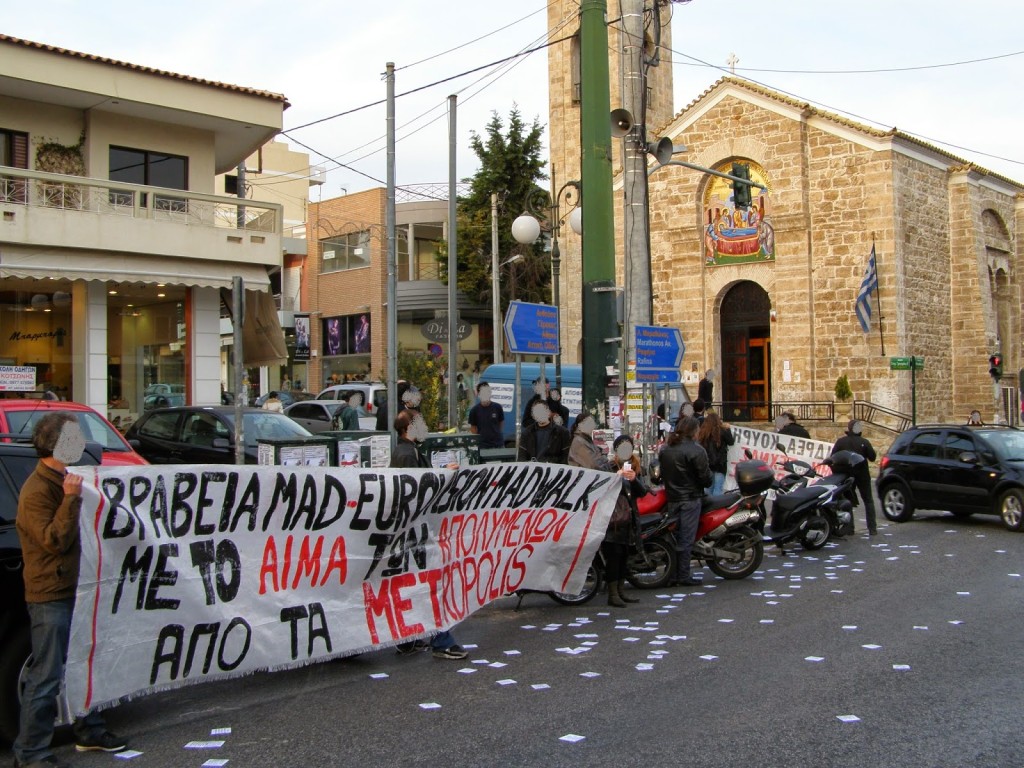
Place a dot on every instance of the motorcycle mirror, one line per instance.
(779, 447)
(747, 454)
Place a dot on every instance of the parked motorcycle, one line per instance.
(812, 514)
(727, 539)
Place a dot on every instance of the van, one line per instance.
(502, 379)
(375, 396)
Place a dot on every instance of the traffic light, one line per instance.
(995, 366)
(741, 192)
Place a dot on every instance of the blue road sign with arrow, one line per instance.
(659, 353)
(531, 329)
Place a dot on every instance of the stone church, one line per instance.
(766, 295)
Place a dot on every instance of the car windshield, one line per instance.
(94, 428)
(264, 426)
(1009, 443)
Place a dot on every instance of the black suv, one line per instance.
(17, 461)
(960, 469)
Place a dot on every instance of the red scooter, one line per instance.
(727, 537)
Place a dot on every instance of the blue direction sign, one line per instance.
(658, 349)
(531, 329)
(663, 376)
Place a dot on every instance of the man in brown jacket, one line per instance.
(47, 523)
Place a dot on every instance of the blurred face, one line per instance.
(70, 445)
(541, 413)
(539, 388)
(587, 426)
(356, 399)
(625, 451)
(485, 395)
(555, 395)
(417, 430)
(412, 399)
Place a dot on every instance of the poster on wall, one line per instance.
(301, 337)
(733, 234)
(17, 378)
(347, 335)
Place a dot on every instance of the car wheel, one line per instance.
(17, 649)
(1011, 509)
(896, 503)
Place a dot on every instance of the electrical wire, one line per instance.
(880, 70)
(838, 110)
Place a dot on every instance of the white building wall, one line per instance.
(206, 346)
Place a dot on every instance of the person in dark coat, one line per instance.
(382, 412)
(715, 437)
(411, 430)
(854, 441)
(544, 440)
(787, 424)
(706, 388)
(685, 472)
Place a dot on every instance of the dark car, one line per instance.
(959, 469)
(315, 415)
(205, 434)
(17, 462)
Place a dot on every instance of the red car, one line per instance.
(19, 416)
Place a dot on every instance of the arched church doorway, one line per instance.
(746, 353)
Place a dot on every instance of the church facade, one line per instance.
(766, 295)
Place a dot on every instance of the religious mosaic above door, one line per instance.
(735, 235)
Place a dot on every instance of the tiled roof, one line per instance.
(809, 109)
(7, 39)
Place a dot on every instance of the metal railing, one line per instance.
(760, 410)
(881, 417)
(36, 189)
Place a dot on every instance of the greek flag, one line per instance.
(867, 285)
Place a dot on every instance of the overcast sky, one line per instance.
(327, 57)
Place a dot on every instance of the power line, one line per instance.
(846, 112)
(879, 70)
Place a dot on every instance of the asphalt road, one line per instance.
(900, 650)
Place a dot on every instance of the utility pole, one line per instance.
(495, 283)
(390, 223)
(637, 308)
(600, 331)
(453, 271)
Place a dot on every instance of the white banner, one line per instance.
(192, 573)
(762, 445)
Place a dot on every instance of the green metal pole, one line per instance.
(600, 329)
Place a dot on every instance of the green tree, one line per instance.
(425, 372)
(511, 166)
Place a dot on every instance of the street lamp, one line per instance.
(499, 344)
(526, 229)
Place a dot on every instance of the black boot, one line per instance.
(622, 593)
(614, 599)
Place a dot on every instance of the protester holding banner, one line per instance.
(411, 430)
(715, 437)
(685, 472)
(47, 524)
(544, 440)
(624, 522)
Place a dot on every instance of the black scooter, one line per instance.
(815, 513)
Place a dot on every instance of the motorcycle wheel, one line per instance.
(753, 553)
(590, 588)
(661, 555)
(817, 533)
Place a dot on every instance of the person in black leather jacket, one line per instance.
(544, 440)
(685, 472)
(854, 441)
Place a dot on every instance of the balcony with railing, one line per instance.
(56, 211)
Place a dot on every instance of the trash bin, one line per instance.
(315, 451)
(358, 448)
(442, 449)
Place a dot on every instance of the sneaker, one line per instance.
(101, 742)
(452, 652)
(687, 582)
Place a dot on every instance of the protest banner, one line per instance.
(765, 446)
(190, 574)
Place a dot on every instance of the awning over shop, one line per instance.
(127, 268)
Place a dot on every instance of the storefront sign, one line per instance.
(17, 378)
(192, 574)
(301, 338)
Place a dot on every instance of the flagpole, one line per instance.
(878, 297)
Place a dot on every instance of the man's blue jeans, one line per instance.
(688, 513)
(51, 630)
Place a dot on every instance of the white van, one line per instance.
(502, 377)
